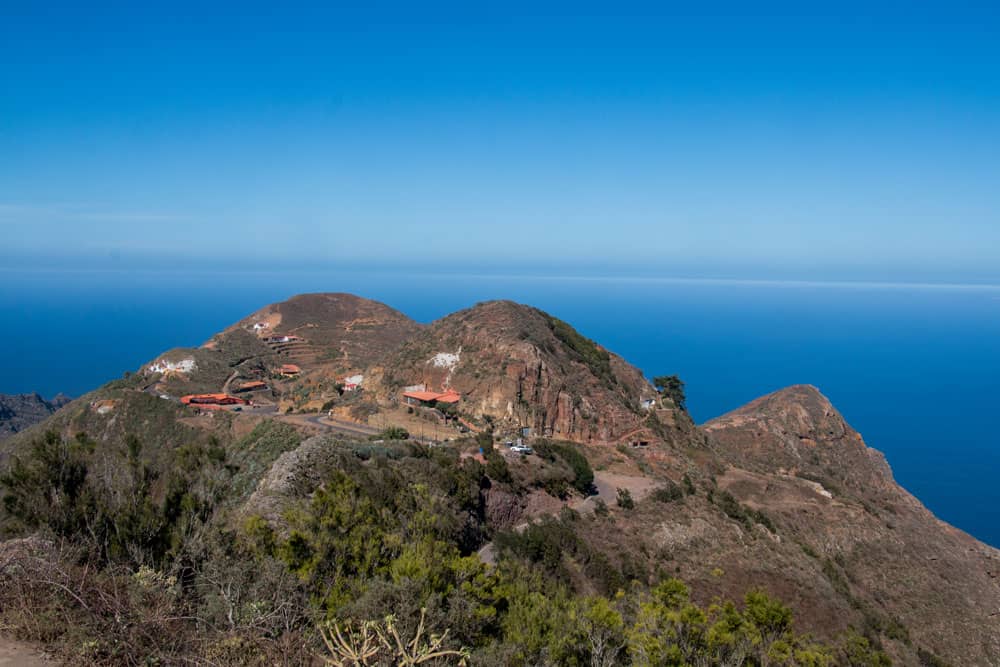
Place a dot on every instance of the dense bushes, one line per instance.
(668, 493)
(583, 475)
(112, 502)
(745, 515)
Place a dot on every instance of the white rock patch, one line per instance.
(446, 359)
(164, 366)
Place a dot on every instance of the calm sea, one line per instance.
(914, 368)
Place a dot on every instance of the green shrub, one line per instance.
(688, 485)
(601, 507)
(587, 351)
(672, 387)
(393, 433)
(583, 474)
(668, 493)
(496, 468)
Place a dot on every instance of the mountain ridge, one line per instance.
(782, 492)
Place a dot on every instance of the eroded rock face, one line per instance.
(522, 367)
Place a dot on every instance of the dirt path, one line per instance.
(229, 380)
(13, 653)
(608, 483)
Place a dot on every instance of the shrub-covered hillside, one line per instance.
(123, 561)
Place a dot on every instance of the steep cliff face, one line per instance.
(882, 558)
(522, 367)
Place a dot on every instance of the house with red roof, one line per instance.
(431, 397)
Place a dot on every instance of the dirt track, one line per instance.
(21, 655)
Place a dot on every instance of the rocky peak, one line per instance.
(523, 367)
(797, 430)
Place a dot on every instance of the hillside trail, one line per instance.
(18, 654)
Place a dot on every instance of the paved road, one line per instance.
(329, 424)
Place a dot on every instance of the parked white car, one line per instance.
(522, 449)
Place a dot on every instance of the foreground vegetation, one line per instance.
(120, 557)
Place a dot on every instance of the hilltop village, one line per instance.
(294, 378)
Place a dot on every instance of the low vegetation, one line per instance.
(596, 358)
(672, 387)
(130, 559)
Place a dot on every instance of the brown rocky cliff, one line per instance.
(523, 367)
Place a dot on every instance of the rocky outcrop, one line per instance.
(521, 367)
(798, 431)
(294, 475)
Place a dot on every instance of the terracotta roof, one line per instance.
(422, 395)
(199, 399)
(428, 396)
(290, 368)
(449, 397)
(252, 384)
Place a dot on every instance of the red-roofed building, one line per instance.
(213, 399)
(289, 370)
(449, 397)
(254, 385)
(426, 397)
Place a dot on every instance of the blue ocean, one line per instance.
(914, 368)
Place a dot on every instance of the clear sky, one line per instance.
(836, 140)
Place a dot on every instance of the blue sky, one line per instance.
(853, 141)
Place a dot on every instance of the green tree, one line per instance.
(625, 500)
(672, 387)
(394, 433)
